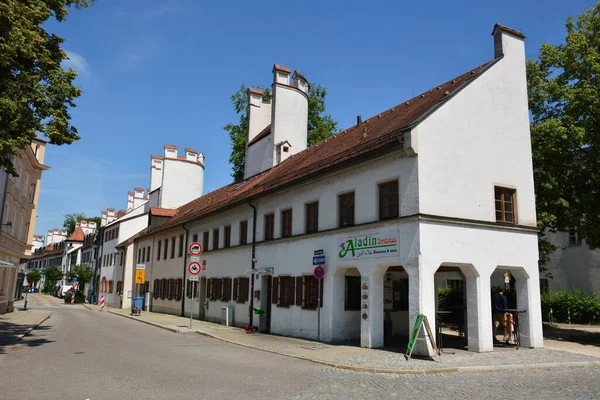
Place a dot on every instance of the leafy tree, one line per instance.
(84, 274)
(71, 219)
(563, 98)
(52, 274)
(35, 91)
(320, 125)
(35, 275)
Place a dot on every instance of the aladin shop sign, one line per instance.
(385, 244)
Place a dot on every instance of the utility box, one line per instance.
(227, 315)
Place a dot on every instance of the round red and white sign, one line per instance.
(194, 268)
(195, 249)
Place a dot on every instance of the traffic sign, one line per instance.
(140, 276)
(319, 252)
(195, 249)
(194, 268)
(195, 258)
(194, 278)
(319, 260)
(319, 272)
(140, 266)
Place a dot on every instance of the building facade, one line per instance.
(18, 212)
(423, 188)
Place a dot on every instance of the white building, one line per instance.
(174, 180)
(573, 266)
(441, 182)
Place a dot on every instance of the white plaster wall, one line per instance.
(486, 249)
(478, 139)
(259, 156)
(182, 182)
(259, 117)
(290, 118)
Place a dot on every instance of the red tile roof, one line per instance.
(373, 136)
(509, 30)
(162, 212)
(78, 235)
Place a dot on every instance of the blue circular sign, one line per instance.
(319, 272)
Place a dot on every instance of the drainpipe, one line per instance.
(253, 264)
(185, 272)
(150, 306)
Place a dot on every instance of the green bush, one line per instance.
(584, 309)
(79, 297)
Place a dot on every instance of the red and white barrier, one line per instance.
(101, 303)
(73, 296)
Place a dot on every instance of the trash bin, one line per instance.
(137, 305)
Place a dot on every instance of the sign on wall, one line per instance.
(373, 245)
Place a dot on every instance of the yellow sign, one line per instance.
(140, 276)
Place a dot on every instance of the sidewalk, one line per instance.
(15, 325)
(361, 359)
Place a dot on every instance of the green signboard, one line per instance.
(414, 333)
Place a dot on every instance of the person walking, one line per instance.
(500, 316)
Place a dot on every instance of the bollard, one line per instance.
(569, 316)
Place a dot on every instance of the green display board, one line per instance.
(414, 335)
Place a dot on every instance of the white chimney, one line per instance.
(281, 74)
(129, 201)
(191, 154)
(508, 42)
(170, 151)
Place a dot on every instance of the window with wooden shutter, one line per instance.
(275, 291)
(173, 247)
(158, 251)
(110, 286)
(188, 289)
(205, 241)
(286, 223)
(311, 292)
(243, 233)
(195, 290)
(235, 289)
(218, 289)
(180, 253)
(209, 290)
(147, 253)
(227, 236)
(299, 291)
(312, 217)
(166, 249)
(171, 289)
(286, 297)
(346, 209)
(179, 291)
(163, 288)
(146, 288)
(388, 200)
(226, 289)
(269, 226)
(119, 287)
(156, 291)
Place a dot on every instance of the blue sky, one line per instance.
(160, 71)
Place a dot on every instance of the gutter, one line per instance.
(183, 285)
(253, 262)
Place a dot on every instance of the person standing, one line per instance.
(500, 316)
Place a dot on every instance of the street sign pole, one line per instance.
(191, 304)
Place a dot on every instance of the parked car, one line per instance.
(64, 290)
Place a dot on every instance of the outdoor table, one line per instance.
(438, 327)
(516, 313)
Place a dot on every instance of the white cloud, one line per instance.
(77, 62)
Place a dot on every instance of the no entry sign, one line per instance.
(319, 272)
(194, 268)
(195, 249)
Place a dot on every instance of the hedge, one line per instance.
(584, 309)
(79, 297)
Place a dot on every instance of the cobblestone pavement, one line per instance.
(555, 383)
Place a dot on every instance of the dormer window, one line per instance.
(286, 149)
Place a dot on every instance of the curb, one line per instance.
(32, 327)
(354, 368)
(174, 330)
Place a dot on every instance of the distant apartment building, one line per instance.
(19, 196)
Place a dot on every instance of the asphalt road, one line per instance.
(81, 354)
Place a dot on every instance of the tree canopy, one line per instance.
(36, 93)
(320, 125)
(35, 275)
(71, 219)
(564, 100)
